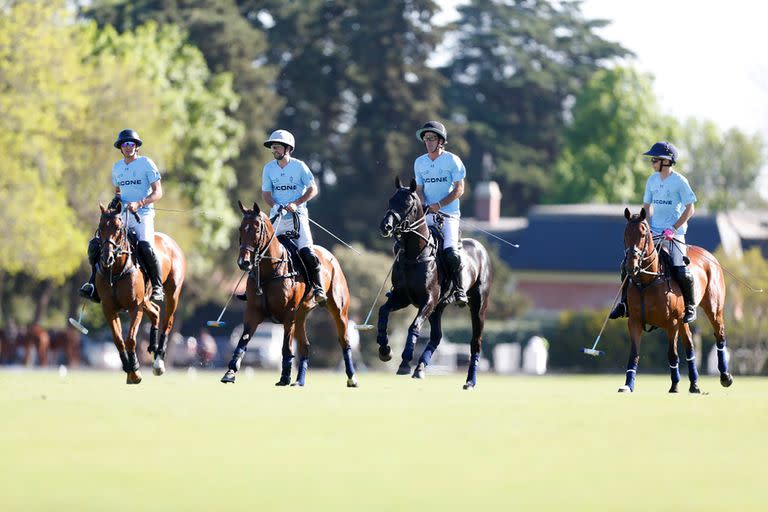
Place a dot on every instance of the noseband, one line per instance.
(645, 254)
(403, 225)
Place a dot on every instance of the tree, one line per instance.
(615, 119)
(723, 168)
(231, 43)
(199, 135)
(516, 66)
(41, 96)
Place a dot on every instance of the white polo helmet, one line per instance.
(281, 136)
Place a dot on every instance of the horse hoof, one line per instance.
(694, 389)
(282, 382)
(418, 373)
(228, 377)
(352, 382)
(385, 353)
(673, 389)
(726, 379)
(469, 385)
(404, 369)
(297, 383)
(158, 367)
(625, 389)
(133, 378)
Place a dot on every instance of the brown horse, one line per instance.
(122, 287)
(274, 292)
(44, 342)
(655, 299)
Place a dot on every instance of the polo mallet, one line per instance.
(218, 322)
(473, 226)
(365, 326)
(77, 324)
(334, 236)
(592, 351)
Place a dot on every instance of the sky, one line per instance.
(709, 58)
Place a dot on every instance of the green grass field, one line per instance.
(180, 442)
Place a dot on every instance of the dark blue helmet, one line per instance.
(663, 150)
(127, 135)
(434, 127)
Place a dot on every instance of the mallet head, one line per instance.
(215, 323)
(592, 352)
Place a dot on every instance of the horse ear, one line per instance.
(101, 207)
(642, 214)
(119, 207)
(242, 208)
(398, 183)
(256, 208)
(412, 186)
(627, 215)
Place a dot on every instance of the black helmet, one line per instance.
(663, 150)
(127, 135)
(432, 126)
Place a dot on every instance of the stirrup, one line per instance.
(88, 291)
(619, 311)
(689, 315)
(157, 295)
(320, 297)
(460, 298)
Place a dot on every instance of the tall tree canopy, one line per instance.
(516, 66)
(615, 119)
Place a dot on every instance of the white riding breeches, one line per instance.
(145, 230)
(450, 231)
(676, 250)
(285, 223)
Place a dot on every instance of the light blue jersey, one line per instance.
(437, 177)
(669, 198)
(286, 184)
(135, 181)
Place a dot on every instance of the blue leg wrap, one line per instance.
(237, 356)
(693, 373)
(348, 364)
(286, 372)
(472, 372)
(426, 357)
(674, 371)
(722, 364)
(408, 350)
(302, 375)
(630, 380)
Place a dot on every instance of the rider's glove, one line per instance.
(669, 234)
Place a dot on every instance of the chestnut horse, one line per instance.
(275, 293)
(122, 287)
(654, 298)
(416, 280)
(44, 342)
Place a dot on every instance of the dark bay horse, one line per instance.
(416, 280)
(275, 293)
(122, 287)
(655, 299)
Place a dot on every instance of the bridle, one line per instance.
(644, 254)
(256, 251)
(402, 225)
(121, 246)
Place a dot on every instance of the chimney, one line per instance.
(487, 194)
(487, 202)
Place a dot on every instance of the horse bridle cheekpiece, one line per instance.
(122, 237)
(648, 241)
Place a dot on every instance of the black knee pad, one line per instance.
(94, 250)
(309, 255)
